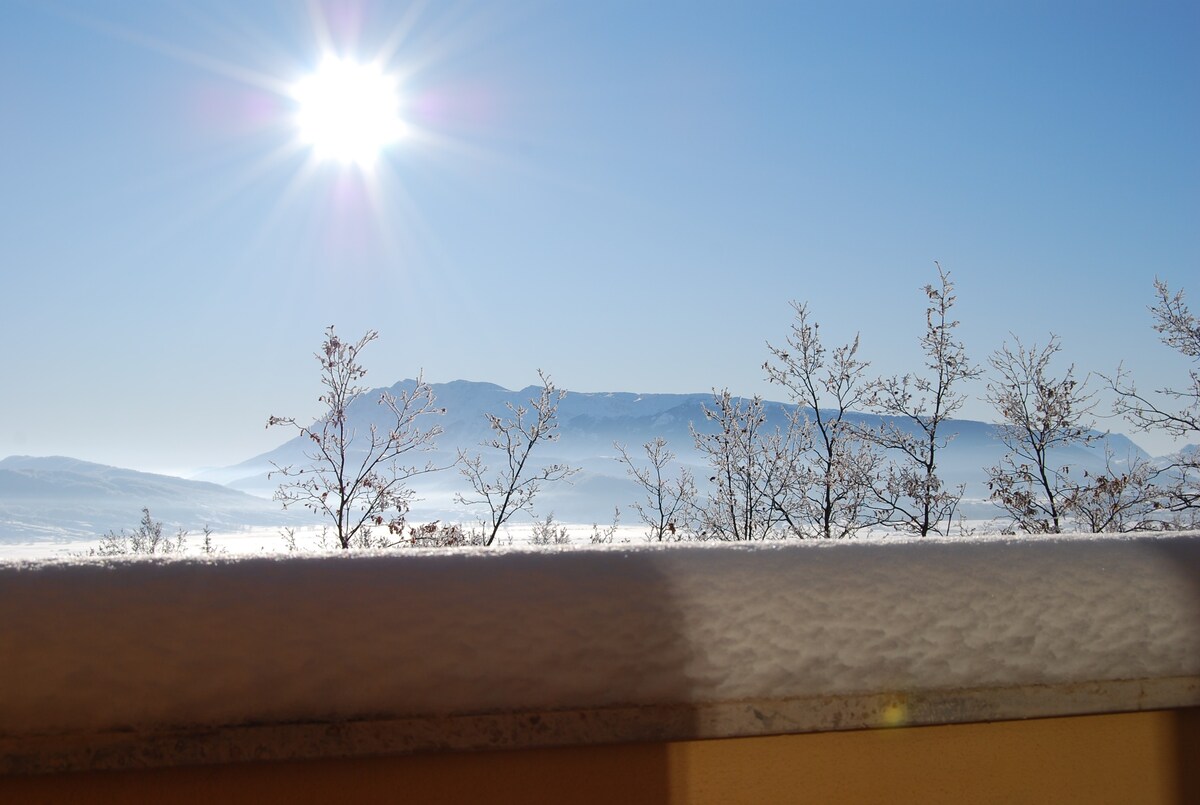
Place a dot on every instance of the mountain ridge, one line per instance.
(60, 496)
(589, 423)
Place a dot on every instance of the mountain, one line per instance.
(590, 423)
(59, 497)
(56, 497)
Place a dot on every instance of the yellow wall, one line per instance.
(1128, 758)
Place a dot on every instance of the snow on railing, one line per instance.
(153, 661)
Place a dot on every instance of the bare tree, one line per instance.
(838, 454)
(358, 480)
(1120, 500)
(514, 486)
(1039, 413)
(668, 508)
(1175, 411)
(912, 493)
(757, 484)
(147, 538)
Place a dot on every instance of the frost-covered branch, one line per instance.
(1038, 413)
(147, 538)
(513, 487)
(840, 466)
(358, 480)
(1175, 411)
(757, 481)
(1123, 497)
(670, 502)
(912, 494)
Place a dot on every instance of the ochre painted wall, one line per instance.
(1127, 759)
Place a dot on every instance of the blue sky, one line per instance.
(623, 194)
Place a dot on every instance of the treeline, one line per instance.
(822, 473)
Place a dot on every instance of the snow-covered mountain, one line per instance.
(589, 424)
(42, 498)
(58, 497)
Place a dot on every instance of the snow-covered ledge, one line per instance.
(109, 664)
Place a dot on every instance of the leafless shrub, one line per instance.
(548, 532)
(1119, 499)
(206, 545)
(757, 487)
(670, 503)
(288, 535)
(513, 487)
(147, 538)
(1039, 413)
(442, 535)
(358, 481)
(604, 536)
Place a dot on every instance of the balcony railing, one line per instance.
(162, 662)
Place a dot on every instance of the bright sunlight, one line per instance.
(348, 111)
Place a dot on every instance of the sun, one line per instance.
(348, 112)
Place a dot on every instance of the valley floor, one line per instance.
(270, 540)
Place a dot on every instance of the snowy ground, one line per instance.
(270, 540)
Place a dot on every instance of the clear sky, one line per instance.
(625, 194)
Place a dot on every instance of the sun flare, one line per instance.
(348, 112)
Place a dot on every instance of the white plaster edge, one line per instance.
(203, 745)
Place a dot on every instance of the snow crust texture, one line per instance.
(90, 644)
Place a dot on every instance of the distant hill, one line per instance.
(590, 423)
(58, 497)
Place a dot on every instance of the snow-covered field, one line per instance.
(270, 540)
